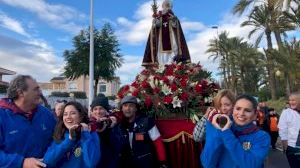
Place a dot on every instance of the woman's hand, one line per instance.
(214, 121)
(228, 124)
(84, 127)
(73, 131)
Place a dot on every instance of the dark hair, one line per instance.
(17, 84)
(249, 98)
(271, 109)
(60, 127)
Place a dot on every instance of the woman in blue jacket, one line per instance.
(239, 144)
(74, 145)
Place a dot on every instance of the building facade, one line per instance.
(63, 84)
(5, 72)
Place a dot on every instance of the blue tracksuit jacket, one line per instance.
(225, 150)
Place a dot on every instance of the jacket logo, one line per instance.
(246, 146)
(77, 152)
(44, 127)
(13, 132)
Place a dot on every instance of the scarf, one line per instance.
(243, 130)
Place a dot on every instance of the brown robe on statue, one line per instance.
(150, 55)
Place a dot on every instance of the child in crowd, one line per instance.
(223, 103)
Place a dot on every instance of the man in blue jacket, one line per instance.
(26, 127)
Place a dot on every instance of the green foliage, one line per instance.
(107, 55)
(111, 97)
(79, 94)
(278, 105)
(264, 94)
(3, 89)
(60, 94)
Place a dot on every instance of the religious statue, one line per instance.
(166, 42)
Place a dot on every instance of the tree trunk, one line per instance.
(287, 84)
(225, 78)
(243, 81)
(270, 66)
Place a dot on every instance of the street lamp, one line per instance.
(216, 27)
(278, 73)
(91, 66)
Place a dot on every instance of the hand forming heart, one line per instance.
(221, 121)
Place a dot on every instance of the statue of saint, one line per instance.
(166, 42)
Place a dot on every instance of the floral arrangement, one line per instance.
(172, 88)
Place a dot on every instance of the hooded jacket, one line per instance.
(23, 135)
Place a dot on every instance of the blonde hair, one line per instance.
(223, 93)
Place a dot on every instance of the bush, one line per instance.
(79, 94)
(278, 105)
(3, 89)
(264, 94)
(60, 94)
(111, 97)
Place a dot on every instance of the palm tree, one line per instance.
(217, 49)
(260, 19)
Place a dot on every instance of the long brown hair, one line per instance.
(60, 127)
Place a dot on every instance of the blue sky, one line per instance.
(34, 33)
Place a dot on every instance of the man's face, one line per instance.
(129, 110)
(33, 93)
(98, 112)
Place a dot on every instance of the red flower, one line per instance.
(173, 87)
(204, 83)
(184, 96)
(183, 82)
(148, 101)
(198, 88)
(180, 67)
(168, 99)
(135, 84)
(165, 79)
(120, 95)
(135, 93)
(169, 70)
(145, 72)
(125, 88)
(156, 90)
(145, 84)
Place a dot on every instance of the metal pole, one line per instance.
(91, 65)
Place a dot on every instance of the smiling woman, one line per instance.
(74, 145)
(239, 143)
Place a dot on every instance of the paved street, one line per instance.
(276, 158)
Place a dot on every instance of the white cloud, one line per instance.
(58, 16)
(12, 24)
(34, 57)
(136, 31)
(130, 68)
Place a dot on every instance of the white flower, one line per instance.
(176, 102)
(193, 84)
(160, 69)
(166, 90)
(171, 78)
(151, 81)
(132, 89)
(141, 77)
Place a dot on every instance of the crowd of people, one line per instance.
(236, 132)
